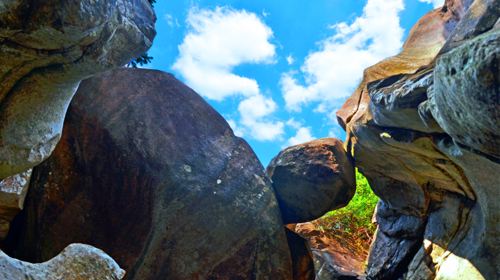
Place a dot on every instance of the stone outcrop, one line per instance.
(311, 179)
(150, 173)
(13, 191)
(75, 262)
(332, 258)
(423, 128)
(46, 49)
(302, 259)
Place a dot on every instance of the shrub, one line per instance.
(353, 222)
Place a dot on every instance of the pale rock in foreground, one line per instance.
(75, 262)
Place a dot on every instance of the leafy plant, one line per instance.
(353, 222)
(144, 58)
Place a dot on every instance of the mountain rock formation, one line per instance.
(423, 127)
(147, 171)
(46, 49)
(311, 179)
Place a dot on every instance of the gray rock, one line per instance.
(75, 262)
(466, 93)
(13, 191)
(46, 49)
(311, 179)
(423, 128)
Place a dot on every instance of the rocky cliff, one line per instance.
(424, 126)
(147, 171)
(46, 49)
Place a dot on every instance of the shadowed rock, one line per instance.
(75, 262)
(423, 128)
(46, 49)
(150, 173)
(311, 179)
(12, 194)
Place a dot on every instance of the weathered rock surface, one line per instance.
(46, 49)
(423, 128)
(76, 262)
(332, 258)
(12, 194)
(302, 260)
(311, 179)
(150, 173)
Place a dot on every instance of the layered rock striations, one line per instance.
(147, 171)
(46, 49)
(423, 128)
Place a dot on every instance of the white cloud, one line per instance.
(333, 71)
(293, 123)
(253, 111)
(302, 135)
(290, 60)
(435, 3)
(217, 41)
(171, 21)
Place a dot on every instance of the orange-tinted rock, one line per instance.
(302, 260)
(421, 132)
(150, 173)
(311, 179)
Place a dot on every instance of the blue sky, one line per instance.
(278, 70)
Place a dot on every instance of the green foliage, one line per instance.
(144, 58)
(141, 60)
(353, 222)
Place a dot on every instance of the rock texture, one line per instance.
(12, 194)
(46, 49)
(423, 128)
(302, 260)
(333, 259)
(149, 172)
(311, 179)
(76, 262)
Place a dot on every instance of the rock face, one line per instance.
(12, 194)
(311, 179)
(332, 259)
(302, 260)
(76, 262)
(46, 49)
(423, 128)
(150, 173)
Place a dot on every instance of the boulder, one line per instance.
(311, 179)
(302, 260)
(13, 191)
(333, 258)
(423, 128)
(75, 262)
(46, 49)
(147, 171)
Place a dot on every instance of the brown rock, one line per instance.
(311, 179)
(302, 260)
(150, 173)
(421, 126)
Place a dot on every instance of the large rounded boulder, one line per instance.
(311, 179)
(147, 171)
